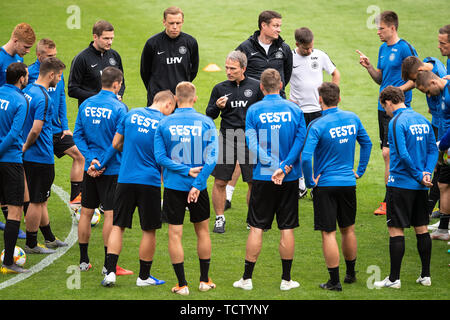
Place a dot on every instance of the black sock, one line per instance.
(248, 271)
(204, 269)
(424, 248)
(84, 252)
(106, 253)
(31, 241)
(75, 189)
(25, 207)
(179, 271)
(5, 212)
(350, 267)
(443, 222)
(396, 252)
(286, 266)
(10, 239)
(334, 275)
(111, 262)
(144, 270)
(47, 233)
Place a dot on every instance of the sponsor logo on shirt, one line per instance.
(185, 130)
(144, 121)
(160, 52)
(174, 60)
(239, 104)
(342, 131)
(270, 117)
(94, 65)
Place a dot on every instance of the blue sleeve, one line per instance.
(63, 106)
(365, 150)
(294, 153)
(252, 141)
(432, 152)
(445, 141)
(80, 138)
(212, 155)
(16, 128)
(111, 151)
(399, 137)
(161, 155)
(312, 140)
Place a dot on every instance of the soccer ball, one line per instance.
(96, 217)
(20, 256)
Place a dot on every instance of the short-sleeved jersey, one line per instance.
(331, 139)
(307, 76)
(445, 108)
(41, 151)
(390, 60)
(13, 111)
(412, 149)
(138, 158)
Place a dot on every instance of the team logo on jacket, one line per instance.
(112, 61)
(279, 55)
(248, 93)
(182, 50)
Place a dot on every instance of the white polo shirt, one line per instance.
(307, 76)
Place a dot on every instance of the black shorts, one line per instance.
(40, 177)
(12, 183)
(333, 204)
(444, 174)
(98, 191)
(233, 148)
(310, 116)
(146, 198)
(268, 199)
(383, 128)
(175, 203)
(61, 145)
(405, 207)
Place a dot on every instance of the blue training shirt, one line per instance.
(275, 131)
(331, 140)
(41, 151)
(445, 107)
(434, 102)
(184, 140)
(138, 158)
(58, 96)
(97, 121)
(5, 60)
(412, 149)
(13, 112)
(390, 60)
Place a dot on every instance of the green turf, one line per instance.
(339, 28)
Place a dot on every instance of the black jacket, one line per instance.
(240, 98)
(279, 58)
(85, 79)
(165, 62)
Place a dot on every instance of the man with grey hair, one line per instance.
(231, 99)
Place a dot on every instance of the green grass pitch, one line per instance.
(340, 27)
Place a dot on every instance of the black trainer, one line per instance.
(349, 278)
(332, 287)
(302, 193)
(219, 225)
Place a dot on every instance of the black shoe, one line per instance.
(227, 205)
(332, 287)
(302, 193)
(219, 226)
(349, 279)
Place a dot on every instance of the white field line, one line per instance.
(70, 240)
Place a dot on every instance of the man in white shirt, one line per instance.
(307, 76)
